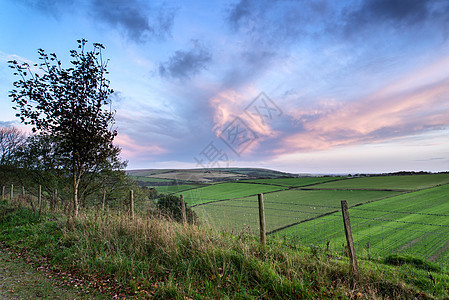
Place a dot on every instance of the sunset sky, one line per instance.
(299, 86)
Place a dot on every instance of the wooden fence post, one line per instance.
(263, 238)
(183, 211)
(23, 191)
(3, 193)
(103, 199)
(131, 204)
(39, 199)
(347, 224)
(12, 191)
(56, 198)
(53, 201)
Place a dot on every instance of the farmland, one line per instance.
(172, 189)
(389, 214)
(407, 182)
(225, 191)
(414, 223)
(293, 182)
(393, 215)
(283, 207)
(204, 175)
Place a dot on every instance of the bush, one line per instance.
(170, 206)
(399, 260)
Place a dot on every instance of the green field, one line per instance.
(227, 190)
(415, 223)
(407, 182)
(389, 214)
(293, 182)
(210, 175)
(150, 179)
(172, 189)
(283, 207)
(256, 172)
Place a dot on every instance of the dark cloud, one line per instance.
(137, 19)
(397, 15)
(252, 64)
(185, 64)
(239, 13)
(279, 23)
(275, 23)
(50, 7)
(399, 11)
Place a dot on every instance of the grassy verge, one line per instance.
(19, 280)
(145, 258)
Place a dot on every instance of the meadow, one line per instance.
(225, 191)
(406, 214)
(414, 223)
(293, 182)
(282, 208)
(172, 189)
(405, 182)
(147, 256)
(113, 256)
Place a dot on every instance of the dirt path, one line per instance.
(19, 280)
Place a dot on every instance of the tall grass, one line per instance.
(155, 257)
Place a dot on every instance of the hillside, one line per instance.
(167, 177)
(141, 258)
(400, 231)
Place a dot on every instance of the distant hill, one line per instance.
(161, 177)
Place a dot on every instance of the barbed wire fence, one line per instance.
(377, 233)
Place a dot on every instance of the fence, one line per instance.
(126, 200)
(376, 233)
(41, 200)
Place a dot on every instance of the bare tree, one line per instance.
(11, 139)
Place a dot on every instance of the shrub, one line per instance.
(170, 206)
(399, 260)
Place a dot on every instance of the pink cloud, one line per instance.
(133, 149)
(411, 105)
(229, 104)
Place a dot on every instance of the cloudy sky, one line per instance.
(317, 86)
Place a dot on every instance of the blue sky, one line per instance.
(298, 86)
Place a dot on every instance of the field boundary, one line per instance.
(302, 221)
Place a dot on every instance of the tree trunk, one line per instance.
(76, 182)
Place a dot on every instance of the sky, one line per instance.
(301, 86)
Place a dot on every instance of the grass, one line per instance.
(415, 224)
(19, 280)
(282, 208)
(227, 190)
(256, 172)
(293, 182)
(150, 179)
(406, 182)
(171, 189)
(161, 259)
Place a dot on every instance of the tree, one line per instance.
(38, 164)
(170, 205)
(68, 105)
(11, 139)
